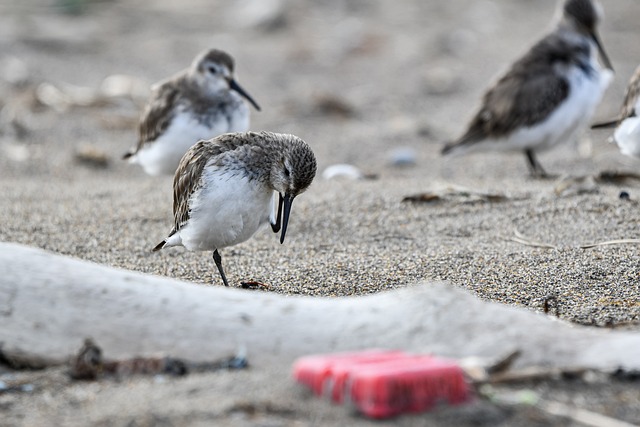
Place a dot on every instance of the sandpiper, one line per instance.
(226, 187)
(627, 133)
(548, 94)
(200, 102)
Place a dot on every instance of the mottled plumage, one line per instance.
(627, 133)
(224, 189)
(547, 95)
(198, 103)
(158, 113)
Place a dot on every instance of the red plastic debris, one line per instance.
(315, 371)
(412, 385)
(384, 383)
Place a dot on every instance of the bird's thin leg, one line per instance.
(218, 260)
(535, 168)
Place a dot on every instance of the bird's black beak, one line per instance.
(603, 54)
(235, 86)
(285, 203)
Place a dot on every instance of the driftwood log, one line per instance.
(50, 303)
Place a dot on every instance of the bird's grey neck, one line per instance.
(197, 89)
(574, 49)
(210, 104)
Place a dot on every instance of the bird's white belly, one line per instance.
(571, 116)
(627, 136)
(239, 119)
(162, 156)
(226, 211)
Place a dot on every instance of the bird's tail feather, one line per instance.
(448, 147)
(459, 145)
(159, 246)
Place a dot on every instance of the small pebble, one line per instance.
(15, 152)
(403, 157)
(441, 81)
(92, 156)
(332, 105)
(342, 171)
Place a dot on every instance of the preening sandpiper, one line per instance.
(546, 96)
(627, 133)
(200, 102)
(226, 187)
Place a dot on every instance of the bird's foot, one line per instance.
(543, 176)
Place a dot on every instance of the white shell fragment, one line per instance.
(342, 171)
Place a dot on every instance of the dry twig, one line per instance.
(611, 242)
(89, 364)
(582, 416)
(520, 238)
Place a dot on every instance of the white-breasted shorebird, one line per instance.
(547, 95)
(226, 187)
(200, 102)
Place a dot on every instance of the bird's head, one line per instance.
(583, 16)
(213, 70)
(291, 174)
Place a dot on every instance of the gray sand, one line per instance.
(412, 75)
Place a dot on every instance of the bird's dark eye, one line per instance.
(212, 70)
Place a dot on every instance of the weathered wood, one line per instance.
(50, 303)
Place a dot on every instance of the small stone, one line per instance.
(16, 152)
(331, 105)
(403, 156)
(441, 81)
(342, 171)
(92, 156)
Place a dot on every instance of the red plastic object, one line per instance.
(384, 383)
(390, 388)
(342, 372)
(315, 371)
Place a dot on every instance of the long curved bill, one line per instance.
(285, 202)
(235, 86)
(603, 54)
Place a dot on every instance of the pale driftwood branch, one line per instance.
(534, 373)
(49, 304)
